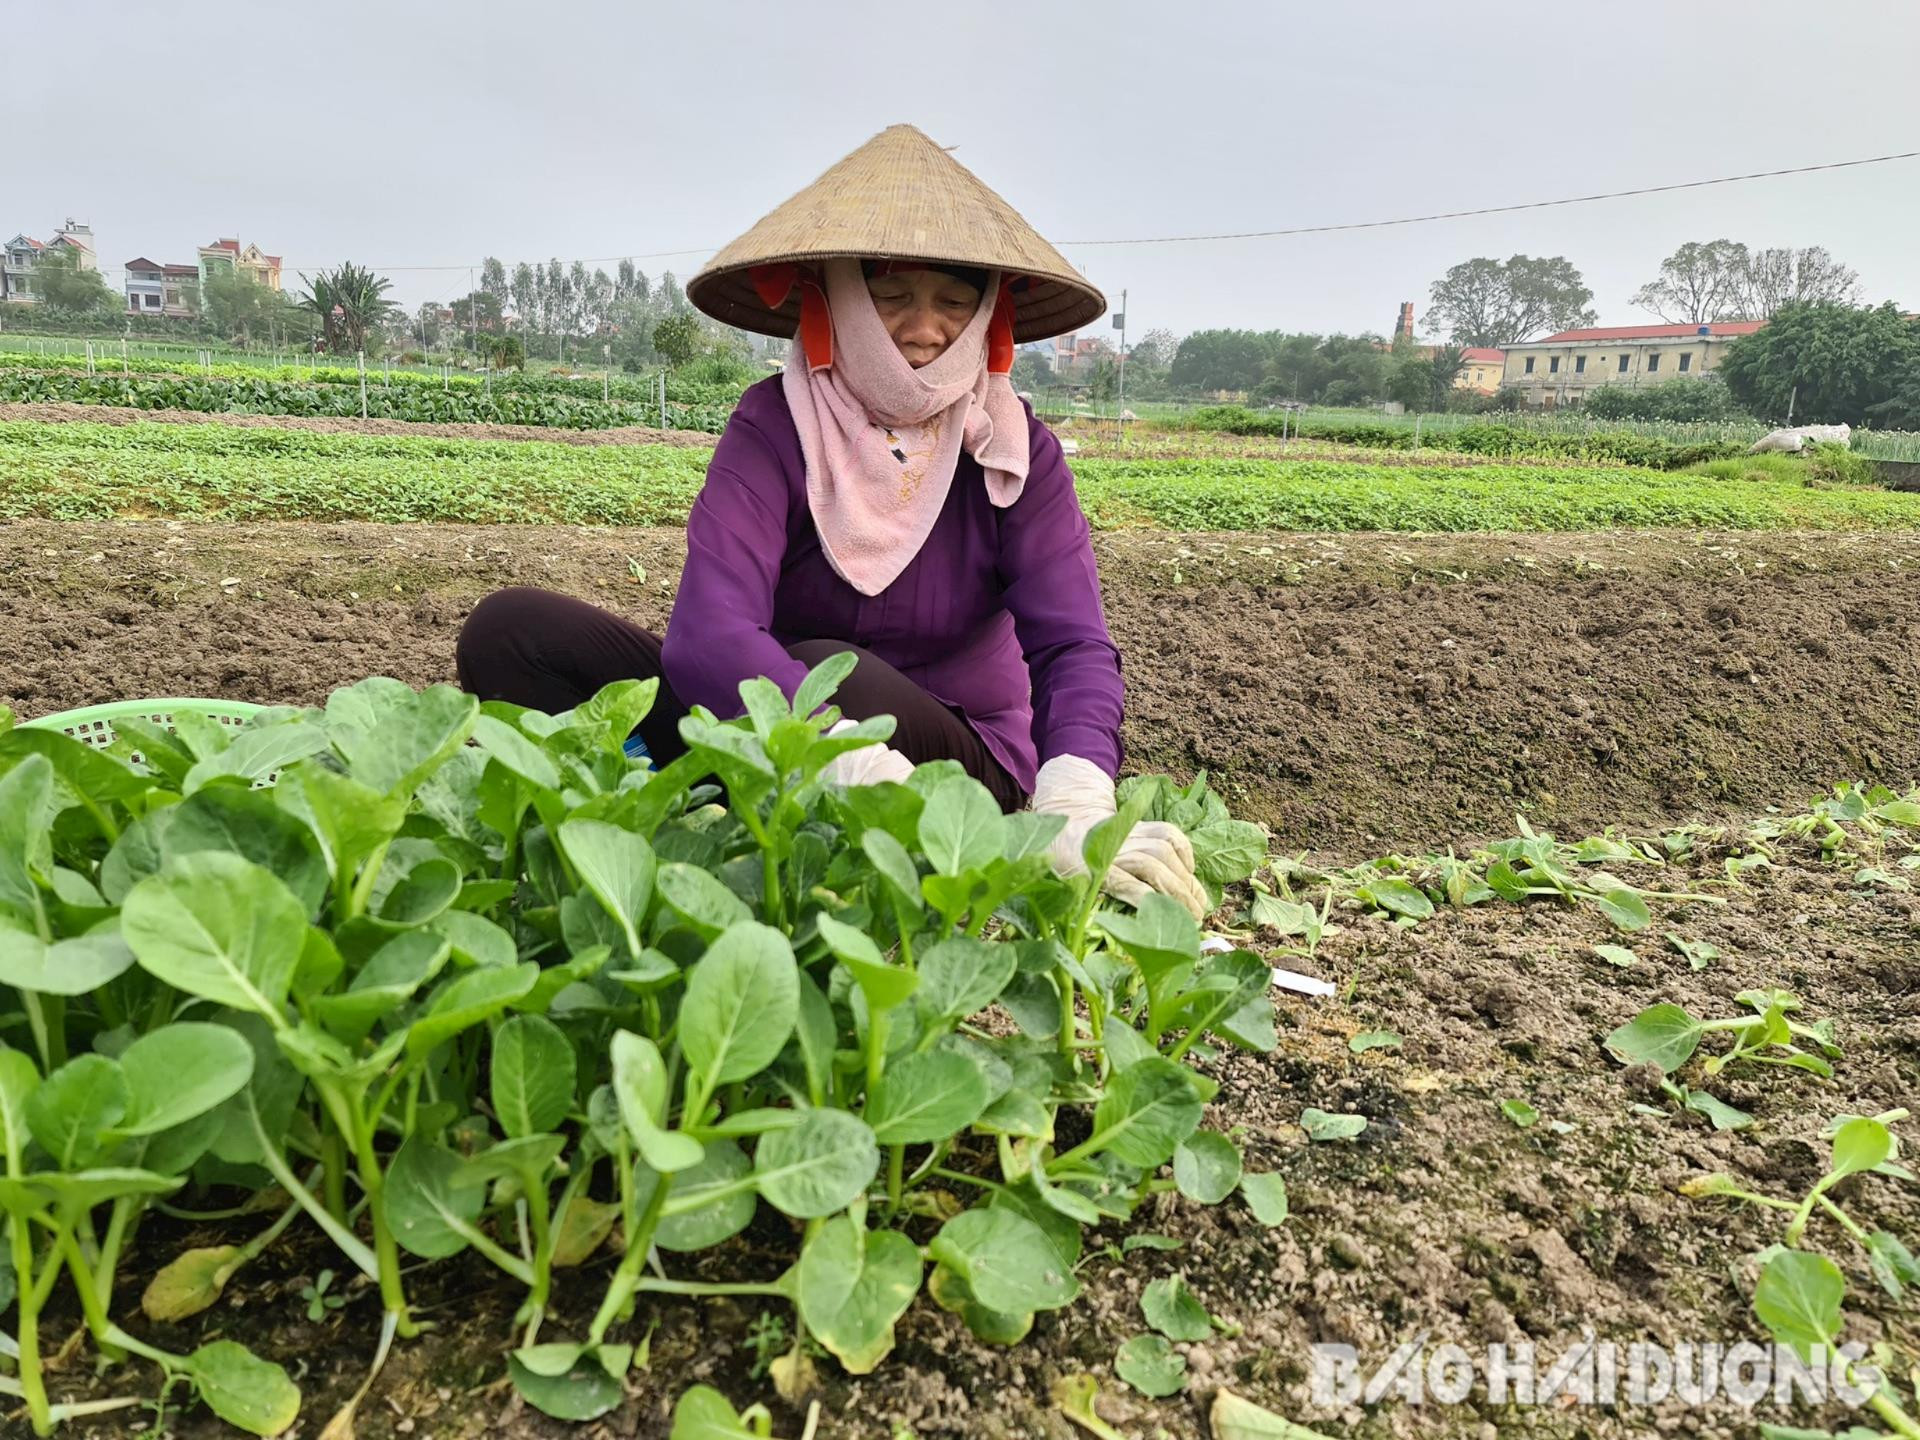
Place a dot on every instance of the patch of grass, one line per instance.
(1821, 465)
(1783, 469)
(214, 472)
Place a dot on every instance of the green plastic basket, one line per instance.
(93, 725)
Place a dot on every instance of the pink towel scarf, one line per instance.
(882, 440)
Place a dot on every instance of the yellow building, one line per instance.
(1480, 370)
(1561, 369)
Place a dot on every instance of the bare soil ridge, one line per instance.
(1360, 690)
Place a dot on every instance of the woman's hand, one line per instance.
(869, 765)
(1155, 857)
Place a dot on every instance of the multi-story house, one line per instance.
(23, 253)
(1480, 369)
(1070, 351)
(229, 256)
(157, 289)
(1563, 368)
(78, 239)
(16, 269)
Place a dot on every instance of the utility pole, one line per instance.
(1120, 322)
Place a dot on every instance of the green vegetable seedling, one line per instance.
(1860, 1145)
(319, 1302)
(1799, 1298)
(1520, 1113)
(1667, 1036)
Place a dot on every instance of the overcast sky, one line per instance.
(409, 135)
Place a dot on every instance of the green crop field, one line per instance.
(177, 377)
(216, 472)
(508, 398)
(1555, 431)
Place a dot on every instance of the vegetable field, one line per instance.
(1541, 431)
(431, 1065)
(339, 394)
(208, 472)
(248, 385)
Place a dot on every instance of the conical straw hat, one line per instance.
(898, 197)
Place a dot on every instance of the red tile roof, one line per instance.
(233, 245)
(180, 271)
(1484, 355)
(144, 264)
(273, 260)
(1651, 332)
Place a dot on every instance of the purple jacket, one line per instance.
(999, 614)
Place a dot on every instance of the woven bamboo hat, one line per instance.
(898, 197)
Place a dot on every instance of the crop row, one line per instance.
(641, 390)
(461, 978)
(1482, 438)
(1687, 1061)
(419, 403)
(214, 472)
(1662, 444)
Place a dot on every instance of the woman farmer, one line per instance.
(888, 495)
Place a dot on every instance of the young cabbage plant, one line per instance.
(1860, 1145)
(1799, 1298)
(488, 985)
(1667, 1036)
(110, 1133)
(1532, 865)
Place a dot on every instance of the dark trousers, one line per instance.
(551, 652)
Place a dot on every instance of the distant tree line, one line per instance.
(1491, 303)
(562, 311)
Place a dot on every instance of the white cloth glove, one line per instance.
(1156, 856)
(867, 766)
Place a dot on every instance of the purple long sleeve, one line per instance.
(999, 614)
(1052, 591)
(721, 630)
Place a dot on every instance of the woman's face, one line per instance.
(924, 311)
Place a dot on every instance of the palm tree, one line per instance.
(1447, 363)
(350, 302)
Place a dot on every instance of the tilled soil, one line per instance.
(1377, 690)
(332, 425)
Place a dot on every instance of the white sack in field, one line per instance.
(1795, 440)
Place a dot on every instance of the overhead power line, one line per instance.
(1498, 209)
(1315, 229)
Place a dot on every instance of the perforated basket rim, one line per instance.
(141, 709)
